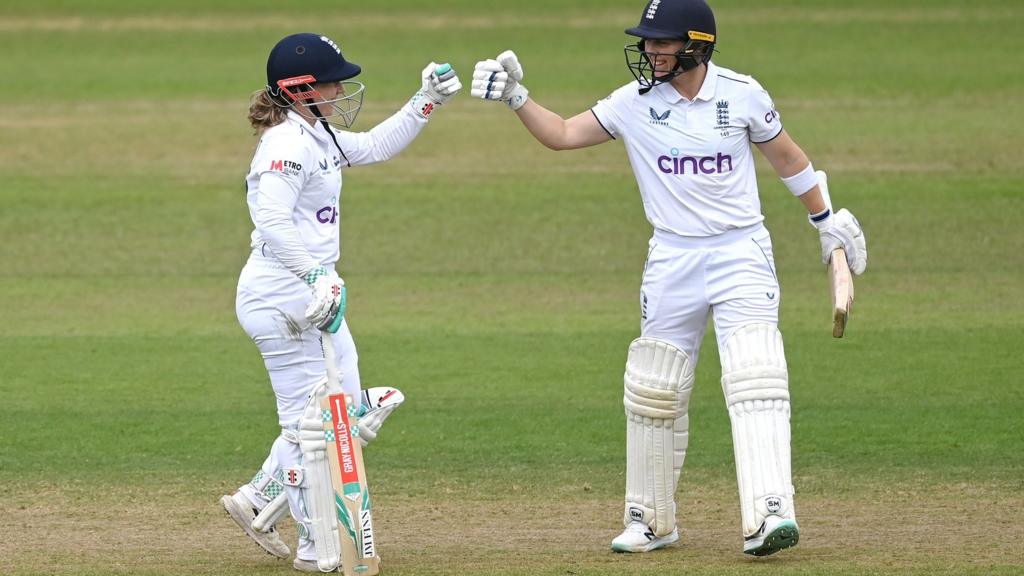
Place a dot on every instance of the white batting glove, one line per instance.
(440, 84)
(841, 230)
(379, 403)
(500, 79)
(327, 309)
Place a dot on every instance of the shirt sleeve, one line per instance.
(382, 142)
(611, 111)
(764, 122)
(282, 176)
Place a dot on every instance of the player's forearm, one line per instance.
(396, 133)
(547, 127)
(272, 215)
(384, 141)
(284, 242)
(439, 83)
(813, 201)
(795, 169)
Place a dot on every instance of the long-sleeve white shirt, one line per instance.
(294, 184)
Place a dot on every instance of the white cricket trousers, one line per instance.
(271, 304)
(731, 276)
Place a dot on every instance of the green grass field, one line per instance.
(495, 282)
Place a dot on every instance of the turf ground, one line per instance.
(496, 283)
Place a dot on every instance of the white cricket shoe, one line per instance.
(638, 537)
(776, 533)
(242, 512)
(309, 566)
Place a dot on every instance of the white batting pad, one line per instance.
(317, 491)
(756, 386)
(271, 513)
(658, 382)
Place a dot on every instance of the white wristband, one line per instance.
(801, 182)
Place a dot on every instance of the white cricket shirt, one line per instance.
(294, 184)
(693, 160)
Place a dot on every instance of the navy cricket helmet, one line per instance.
(690, 21)
(300, 61)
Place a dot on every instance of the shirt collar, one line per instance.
(669, 94)
(317, 129)
(707, 89)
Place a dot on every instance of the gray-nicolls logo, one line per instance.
(636, 514)
(773, 504)
(652, 9)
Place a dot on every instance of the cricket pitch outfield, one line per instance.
(495, 282)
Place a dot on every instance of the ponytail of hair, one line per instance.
(263, 112)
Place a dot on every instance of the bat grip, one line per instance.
(333, 379)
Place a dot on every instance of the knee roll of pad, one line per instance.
(754, 365)
(756, 386)
(657, 385)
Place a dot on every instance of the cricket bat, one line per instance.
(348, 476)
(841, 280)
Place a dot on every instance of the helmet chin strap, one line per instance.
(684, 63)
(655, 80)
(310, 105)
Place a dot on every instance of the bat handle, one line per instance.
(333, 378)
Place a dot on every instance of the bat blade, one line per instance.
(841, 281)
(352, 498)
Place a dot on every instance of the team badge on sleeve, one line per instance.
(285, 167)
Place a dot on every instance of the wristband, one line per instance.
(821, 219)
(801, 182)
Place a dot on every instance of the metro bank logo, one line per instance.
(285, 166)
(676, 164)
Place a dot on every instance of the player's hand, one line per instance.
(500, 79)
(842, 230)
(440, 84)
(327, 309)
(378, 404)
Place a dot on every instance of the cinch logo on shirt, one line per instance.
(693, 165)
(327, 215)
